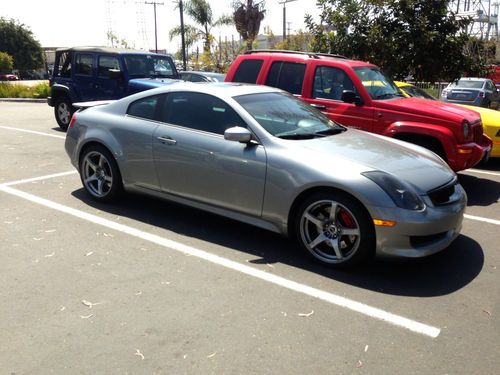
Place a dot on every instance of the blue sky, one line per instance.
(60, 23)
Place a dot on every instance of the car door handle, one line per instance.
(167, 140)
(318, 106)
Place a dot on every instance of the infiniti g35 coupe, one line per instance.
(258, 155)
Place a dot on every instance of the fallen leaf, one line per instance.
(165, 282)
(50, 231)
(487, 312)
(211, 355)
(89, 253)
(62, 308)
(86, 316)
(107, 235)
(306, 315)
(360, 364)
(138, 353)
(138, 293)
(50, 255)
(90, 304)
(37, 238)
(366, 348)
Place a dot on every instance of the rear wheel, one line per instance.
(100, 174)
(335, 229)
(63, 110)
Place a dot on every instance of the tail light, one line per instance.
(72, 121)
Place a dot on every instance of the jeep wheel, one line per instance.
(63, 110)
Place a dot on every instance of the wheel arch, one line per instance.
(425, 140)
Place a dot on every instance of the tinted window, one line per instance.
(106, 63)
(143, 66)
(84, 64)
(330, 83)
(144, 108)
(248, 71)
(64, 65)
(199, 111)
(287, 76)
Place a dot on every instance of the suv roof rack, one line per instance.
(314, 55)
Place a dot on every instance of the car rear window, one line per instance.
(466, 84)
(248, 71)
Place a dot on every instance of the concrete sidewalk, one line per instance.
(23, 100)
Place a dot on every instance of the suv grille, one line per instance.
(477, 130)
(443, 194)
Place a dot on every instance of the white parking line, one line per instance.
(352, 305)
(28, 180)
(33, 132)
(483, 219)
(482, 172)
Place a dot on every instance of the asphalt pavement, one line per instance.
(150, 287)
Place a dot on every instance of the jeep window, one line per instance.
(83, 64)
(149, 66)
(379, 86)
(248, 71)
(284, 116)
(330, 83)
(287, 76)
(105, 64)
(64, 65)
(144, 108)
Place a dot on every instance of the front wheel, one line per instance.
(335, 229)
(63, 110)
(100, 175)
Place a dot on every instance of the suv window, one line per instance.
(144, 108)
(248, 71)
(199, 111)
(105, 64)
(145, 66)
(287, 76)
(330, 83)
(64, 67)
(84, 64)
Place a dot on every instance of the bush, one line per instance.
(16, 90)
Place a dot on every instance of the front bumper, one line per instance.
(467, 155)
(50, 102)
(419, 233)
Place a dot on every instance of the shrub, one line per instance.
(16, 90)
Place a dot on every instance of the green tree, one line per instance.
(201, 12)
(18, 41)
(6, 62)
(300, 41)
(247, 18)
(405, 37)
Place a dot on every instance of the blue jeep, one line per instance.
(93, 73)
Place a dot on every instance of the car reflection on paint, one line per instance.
(258, 155)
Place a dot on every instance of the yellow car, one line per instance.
(489, 117)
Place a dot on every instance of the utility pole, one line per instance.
(154, 3)
(183, 40)
(284, 2)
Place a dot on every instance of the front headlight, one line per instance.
(401, 194)
(466, 129)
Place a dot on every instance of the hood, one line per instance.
(141, 84)
(358, 150)
(430, 108)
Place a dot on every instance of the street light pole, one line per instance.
(154, 3)
(284, 16)
(183, 40)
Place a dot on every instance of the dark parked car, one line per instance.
(194, 76)
(258, 155)
(480, 92)
(90, 73)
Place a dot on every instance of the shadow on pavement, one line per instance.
(480, 191)
(440, 274)
(492, 165)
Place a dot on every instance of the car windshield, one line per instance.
(149, 66)
(379, 86)
(467, 84)
(286, 117)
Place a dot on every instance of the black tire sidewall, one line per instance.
(366, 247)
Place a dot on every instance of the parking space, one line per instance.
(147, 286)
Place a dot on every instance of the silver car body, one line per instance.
(260, 183)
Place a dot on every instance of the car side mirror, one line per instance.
(115, 74)
(349, 96)
(238, 134)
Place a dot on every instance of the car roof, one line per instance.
(338, 59)
(108, 50)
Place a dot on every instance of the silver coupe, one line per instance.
(258, 155)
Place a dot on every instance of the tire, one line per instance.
(339, 241)
(63, 110)
(99, 174)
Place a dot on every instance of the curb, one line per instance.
(23, 100)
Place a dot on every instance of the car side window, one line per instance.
(144, 108)
(199, 111)
(197, 78)
(248, 71)
(330, 83)
(106, 63)
(287, 76)
(84, 64)
(64, 68)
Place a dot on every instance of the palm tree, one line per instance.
(247, 18)
(201, 12)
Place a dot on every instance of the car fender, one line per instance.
(58, 90)
(444, 135)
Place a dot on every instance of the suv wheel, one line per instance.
(63, 110)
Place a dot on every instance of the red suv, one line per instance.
(359, 95)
